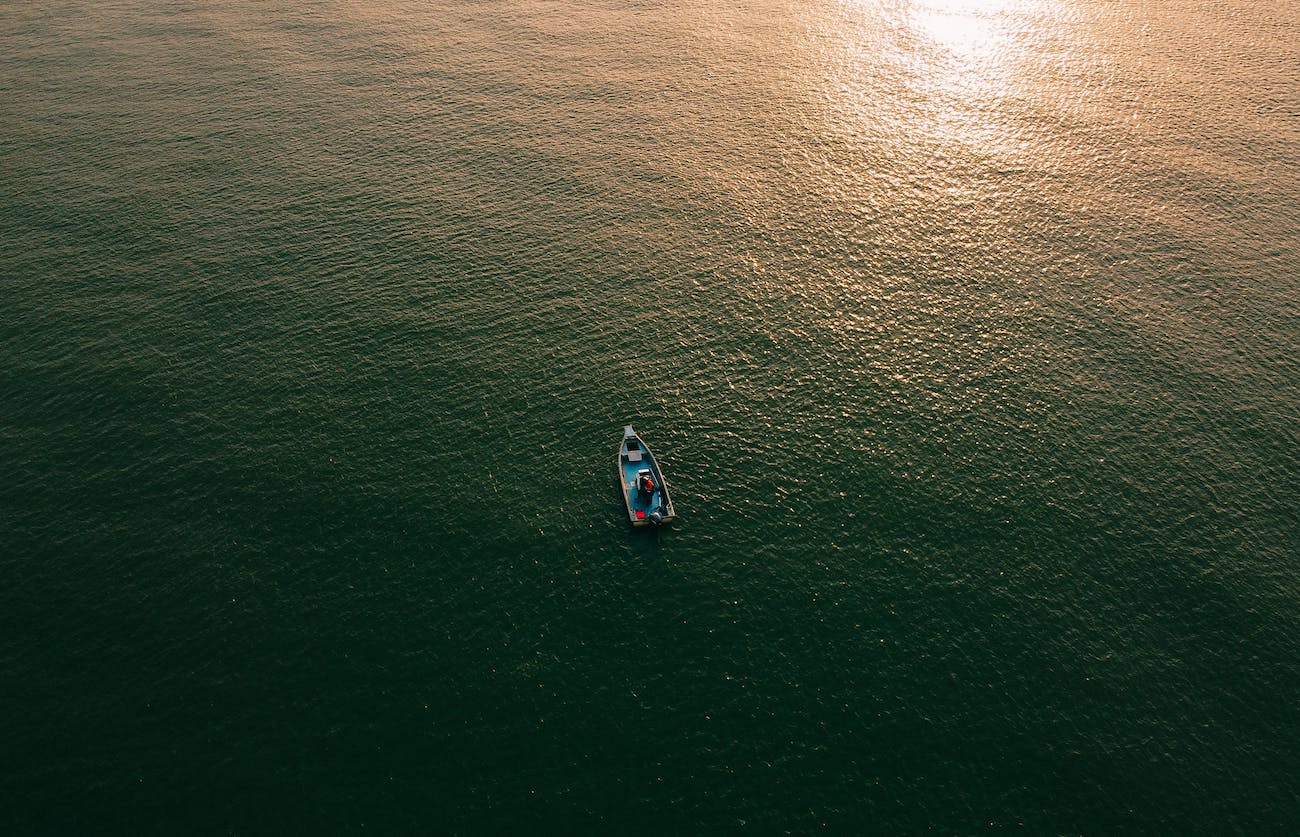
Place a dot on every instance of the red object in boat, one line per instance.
(640, 515)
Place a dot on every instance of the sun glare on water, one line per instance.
(927, 100)
(969, 29)
(940, 71)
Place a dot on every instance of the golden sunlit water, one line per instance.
(966, 334)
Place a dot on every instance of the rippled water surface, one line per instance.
(968, 334)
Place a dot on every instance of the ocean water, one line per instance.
(967, 333)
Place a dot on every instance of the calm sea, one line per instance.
(968, 334)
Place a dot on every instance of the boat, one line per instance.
(645, 492)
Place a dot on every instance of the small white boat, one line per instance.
(644, 490)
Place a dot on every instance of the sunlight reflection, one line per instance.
(941, 80)
(966, 63)
(969, 29)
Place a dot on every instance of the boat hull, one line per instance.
(645, 491)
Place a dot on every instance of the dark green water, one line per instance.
(968, 335)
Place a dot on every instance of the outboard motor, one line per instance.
(656, 518)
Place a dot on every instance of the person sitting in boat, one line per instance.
(644, 483)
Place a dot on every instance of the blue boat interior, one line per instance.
(641, 479)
